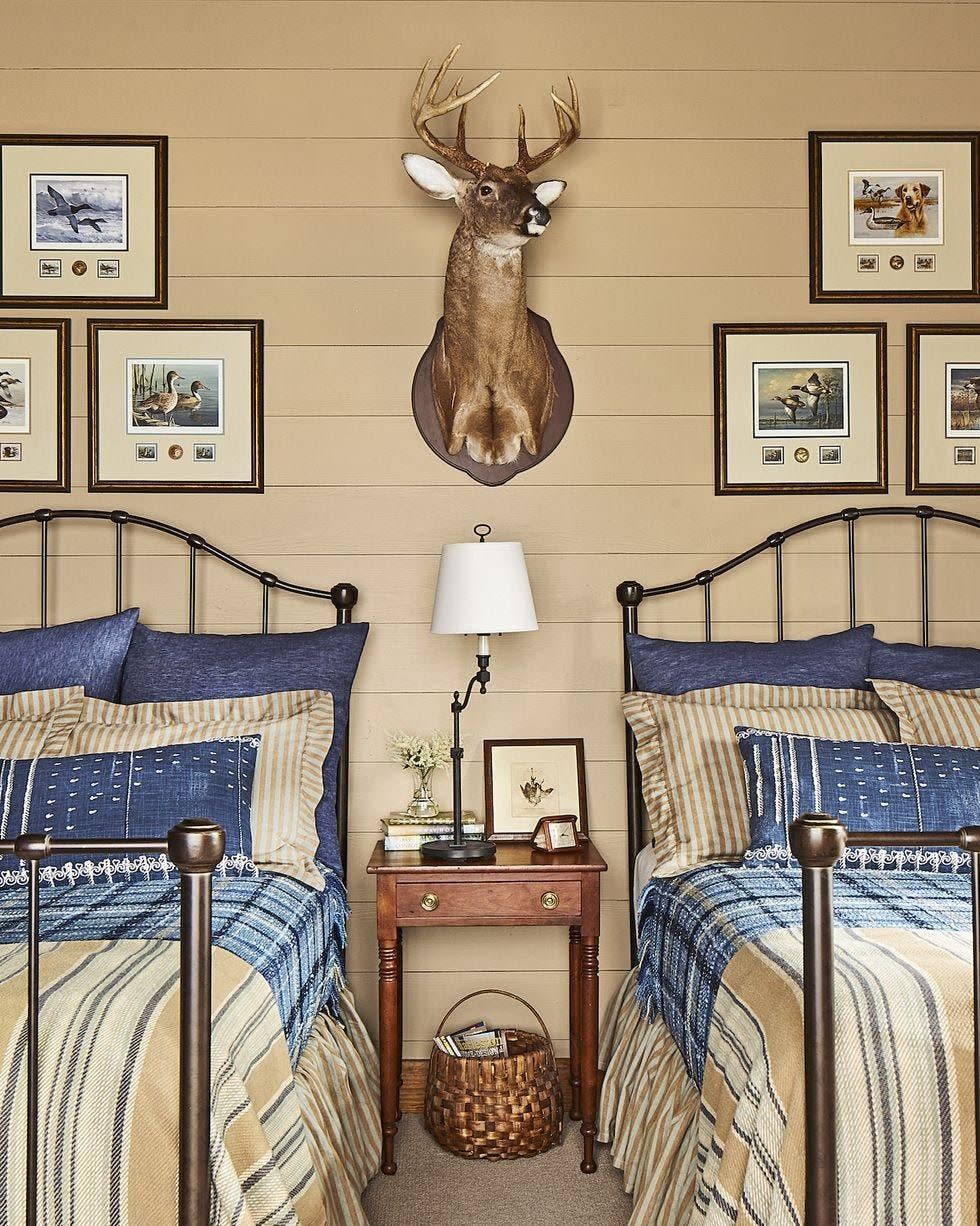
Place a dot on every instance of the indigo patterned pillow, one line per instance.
(868, 785)
(135, 795)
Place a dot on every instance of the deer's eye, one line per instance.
(486, 190)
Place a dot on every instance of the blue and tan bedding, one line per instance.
(703, 1092)
(293, 1077)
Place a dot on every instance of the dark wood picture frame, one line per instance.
(255, 482)
(156, 300)
(61, 483)
(488, 746)
(817, 291)
(913, 484)
(723, 486)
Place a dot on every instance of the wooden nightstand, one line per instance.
(520, 886)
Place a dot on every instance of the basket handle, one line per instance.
(495, 992)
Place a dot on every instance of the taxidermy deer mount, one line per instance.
(492, 381)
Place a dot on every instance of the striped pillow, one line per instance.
(29, 720)
(933, 717)
(693, 780)
(296, 728)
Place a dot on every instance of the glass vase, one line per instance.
(423, 803)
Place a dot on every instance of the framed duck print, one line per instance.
(893, 217)
(83, 221)
(35, 356)
(176, 405)
(800, 409)
(943, 409)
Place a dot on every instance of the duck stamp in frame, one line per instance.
(815, 385)
(95, 204)
(527, 780)
(883, 206)
(193, 387)
(943, 410)
(34, 404)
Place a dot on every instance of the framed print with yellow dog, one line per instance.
(893, 217)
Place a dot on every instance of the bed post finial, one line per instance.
(629, 593)
(344, 596)
(817, 841)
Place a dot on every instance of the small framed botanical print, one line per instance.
(175, 405)
(943, 408)
(888, 207)
(34, 404)
(83, 221)
(527, 780)
(819, 387)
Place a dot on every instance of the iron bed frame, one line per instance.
(195, 846)
(818, 842)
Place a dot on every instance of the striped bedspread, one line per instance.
(109, 1025)
(721, 962)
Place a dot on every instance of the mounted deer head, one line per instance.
(492, 378)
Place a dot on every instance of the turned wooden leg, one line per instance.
(401, 1045)
(589, 1038)
(389, 979)
(575, 1019)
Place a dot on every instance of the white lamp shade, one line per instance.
(483, 588)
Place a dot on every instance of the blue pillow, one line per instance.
(867, 785)
(829, 661)
(140, 794)
(932, 668)
(164, 667)
(89, 653)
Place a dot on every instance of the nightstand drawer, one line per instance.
(558, 899)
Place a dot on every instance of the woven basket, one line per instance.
(486, 1108)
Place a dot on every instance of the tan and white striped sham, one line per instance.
(296, 729)
(33, 718)
(933, 717)
(693, 779)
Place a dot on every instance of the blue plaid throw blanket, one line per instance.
(291, 933)
(691, 926)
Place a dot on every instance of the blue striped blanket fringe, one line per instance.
(291, 933)
(691, 927)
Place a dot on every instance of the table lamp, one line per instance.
(482, 589)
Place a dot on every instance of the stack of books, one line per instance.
(404, 833)
(475, 1041)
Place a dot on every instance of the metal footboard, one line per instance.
(818, 842)
(195, 847)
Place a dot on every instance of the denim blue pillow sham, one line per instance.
(932, 668)
(136, 795)
(868, 785)
(89, 653)
(165, 667)
(829, 661)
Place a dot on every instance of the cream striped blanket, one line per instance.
(703, 1097)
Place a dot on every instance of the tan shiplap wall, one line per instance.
(686, 205)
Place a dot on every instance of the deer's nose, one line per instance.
(536, 218)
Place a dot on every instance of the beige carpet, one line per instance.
(434, 1188)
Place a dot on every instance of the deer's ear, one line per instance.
(432, 177)
(549, 191)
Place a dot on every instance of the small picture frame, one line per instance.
(875, 194)
(146, 453)
(943, 411)
(11, 451)
(556, 833)
(830, 454)
(774, 455)
(35, 424)
(102, 198)
(527, 780)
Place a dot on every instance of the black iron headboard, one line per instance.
(343, 596)
(631, 593)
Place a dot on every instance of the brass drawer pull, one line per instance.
(429, 902)
(549, 900)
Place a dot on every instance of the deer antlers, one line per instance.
(425, 107)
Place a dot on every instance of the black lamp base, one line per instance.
(471, 849)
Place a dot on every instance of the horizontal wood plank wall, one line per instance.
(686, 204)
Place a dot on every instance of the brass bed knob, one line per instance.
(549, 900)
(429, 902)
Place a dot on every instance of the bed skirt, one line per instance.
(648, 1112)
(338, 1086)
